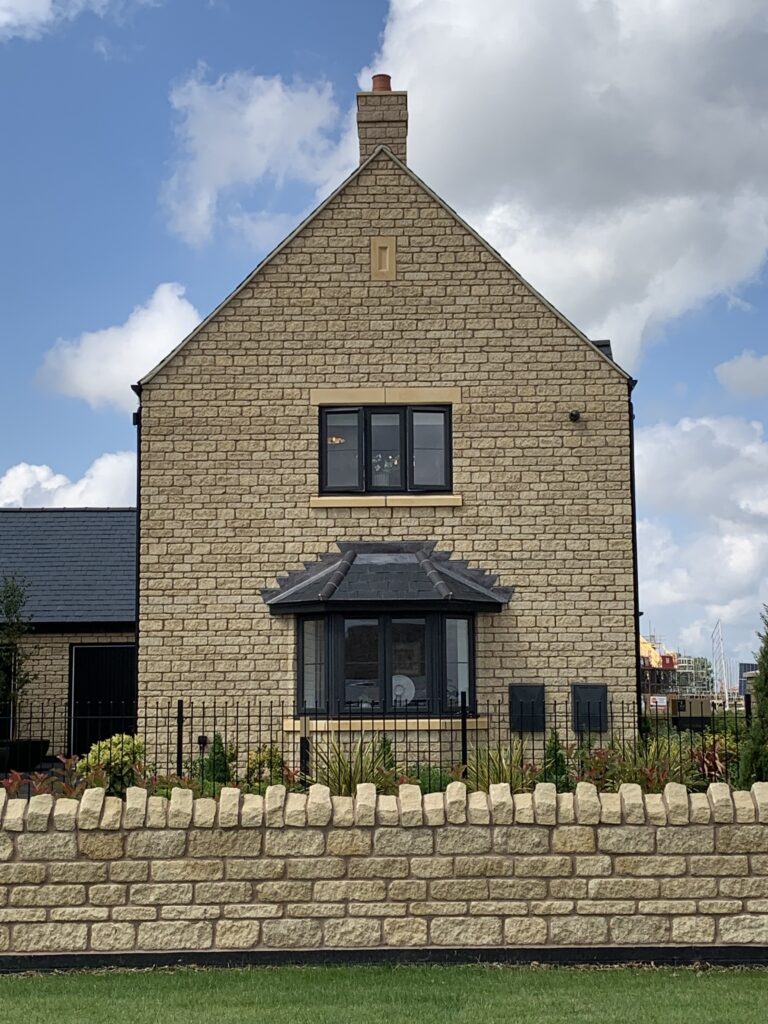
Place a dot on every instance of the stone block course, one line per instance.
(230, 880)
(101, 845)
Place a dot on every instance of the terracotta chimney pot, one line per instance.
(382, 83)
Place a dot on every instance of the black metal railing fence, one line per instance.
(207, 744)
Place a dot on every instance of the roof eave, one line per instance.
(446, 606)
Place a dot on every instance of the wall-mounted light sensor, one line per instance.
(574, 415)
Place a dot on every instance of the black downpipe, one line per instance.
(137, 423)
(635, 580)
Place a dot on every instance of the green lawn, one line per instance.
(417, 995)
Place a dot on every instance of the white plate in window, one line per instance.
(403, 689)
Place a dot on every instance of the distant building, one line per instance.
(658, 667)
(694, 674)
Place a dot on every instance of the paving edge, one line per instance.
(564, 956)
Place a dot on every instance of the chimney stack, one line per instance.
(382, 119)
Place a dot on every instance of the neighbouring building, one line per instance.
(384, 475)
(79, 569)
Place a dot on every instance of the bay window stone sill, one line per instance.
(392, 722)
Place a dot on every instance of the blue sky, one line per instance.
(615, 153)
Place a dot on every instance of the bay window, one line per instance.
(385, 662)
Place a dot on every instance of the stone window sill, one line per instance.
(386, 501)
(392, 724)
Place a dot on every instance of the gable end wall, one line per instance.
(229, 454)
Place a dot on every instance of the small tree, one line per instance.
(754, 754)
(14, 627)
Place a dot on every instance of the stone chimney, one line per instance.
(382, 119)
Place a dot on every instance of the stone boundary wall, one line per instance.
(294, 871)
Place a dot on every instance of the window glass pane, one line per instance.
(409, 663)
(429, 462)
(313, 676)
(457, 658)
(361, 662)
(386, 467)
(342, 449)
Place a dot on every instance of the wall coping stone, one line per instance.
(180, 808)
(91, 805)
(135, 807)
(676, 806)
(319, 806)
(38, 812)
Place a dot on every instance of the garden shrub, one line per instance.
(754, 753)
(555, 768)
(343, 769)
(505, 762)
(157, 784)
(651, 762)
(113, 763)
(213, 770)
(62, 780)
(432, 778)
(265, 765)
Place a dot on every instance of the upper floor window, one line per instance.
(385, 449)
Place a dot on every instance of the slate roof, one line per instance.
(399, 572)
(79, 563)
(604, 344)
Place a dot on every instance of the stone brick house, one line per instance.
(385, 473)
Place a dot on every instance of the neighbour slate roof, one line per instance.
(604, 344)
(79, 563)
(388, 572)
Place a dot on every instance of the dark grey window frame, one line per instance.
(437, 702)
(365, 483)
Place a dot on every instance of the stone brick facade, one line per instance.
(305, 871)
(229, 453)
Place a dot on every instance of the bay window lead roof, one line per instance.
(386, 572)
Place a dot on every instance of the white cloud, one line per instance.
(745, 375)
(703, 539)
(613, 150)
(29, 19)
(623, 274)
(100, 366)
(109, 480)
(239, 130)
